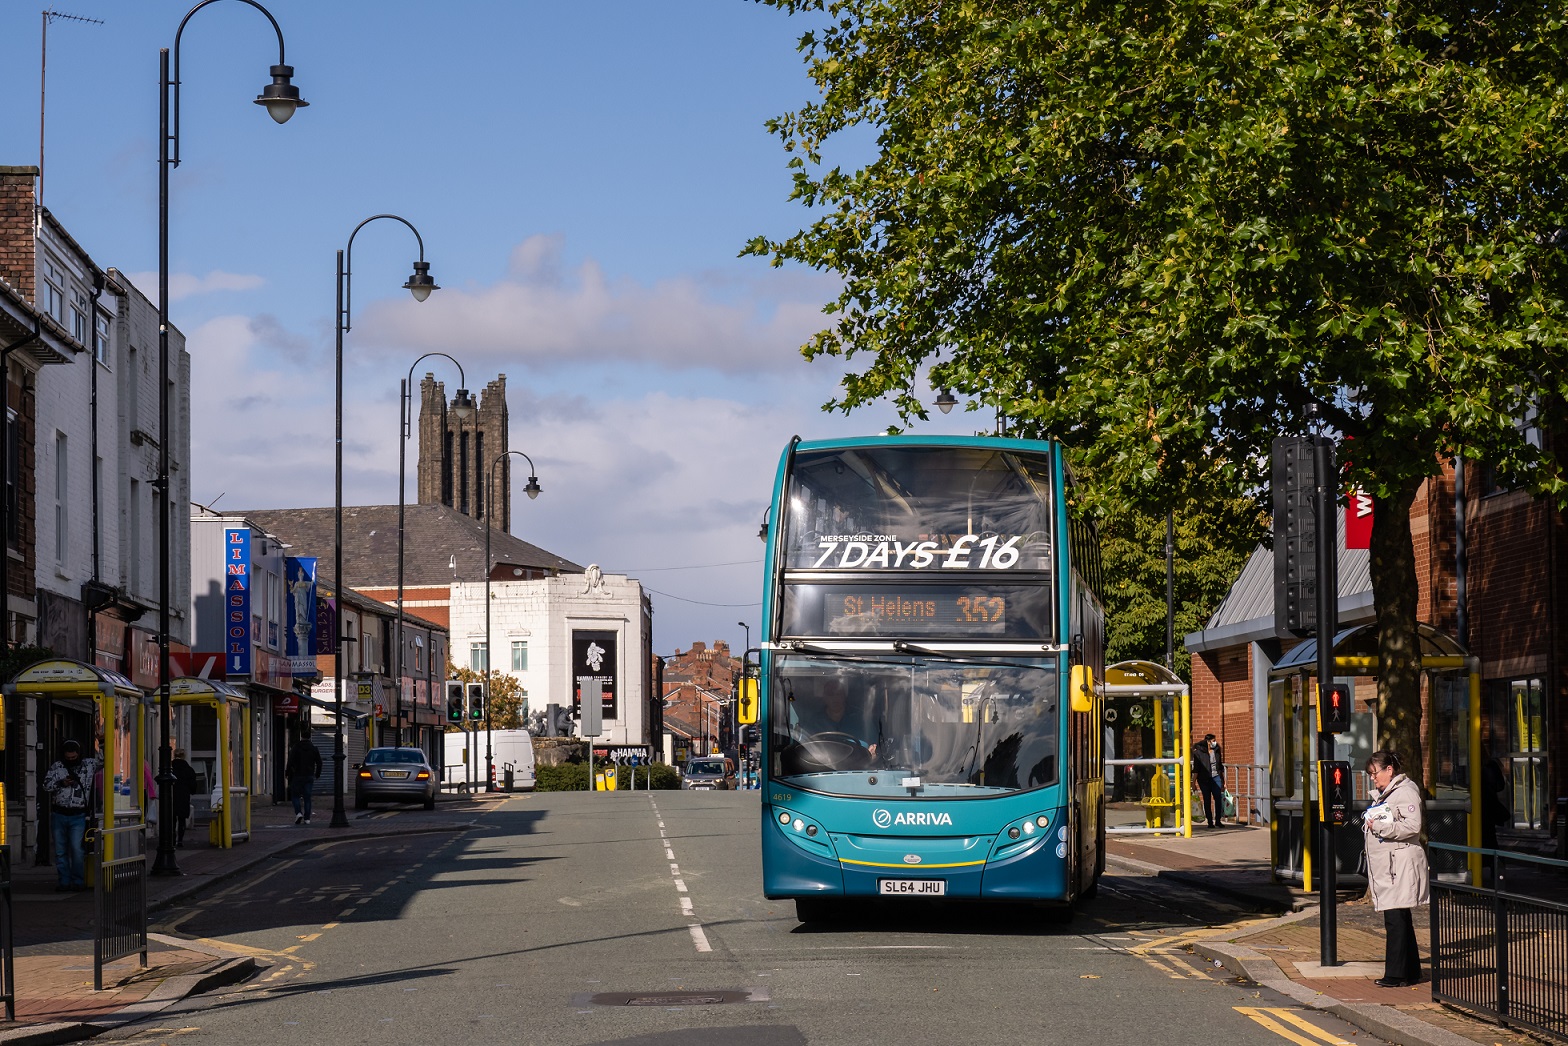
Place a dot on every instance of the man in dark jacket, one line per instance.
(185, 785)
(302, 769)
(1208, 767)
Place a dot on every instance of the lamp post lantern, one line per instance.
(281, 98)
(419, 285)
(463, 407)
(532, 490)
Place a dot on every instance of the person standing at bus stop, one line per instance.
(1396, 864)
(68, 783)
(303, 768)
(1208, 766)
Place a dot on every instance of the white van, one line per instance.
(508, 748)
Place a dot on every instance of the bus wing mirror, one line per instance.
(746, 711)
(1081, 687)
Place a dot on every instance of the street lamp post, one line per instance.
(532, 490)
(281, 98)
(463, 407)
(420, 284)
(735, 705)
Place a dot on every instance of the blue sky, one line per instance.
(583, 176)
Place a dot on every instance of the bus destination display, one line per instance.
(915, 610)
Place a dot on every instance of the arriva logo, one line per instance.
(883, 819)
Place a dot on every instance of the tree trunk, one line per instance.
(1393, 567)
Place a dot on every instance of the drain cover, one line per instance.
(708, 998)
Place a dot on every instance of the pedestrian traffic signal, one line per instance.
(454, 702)
(476, 702)
(1334, 709)
(1335, 792)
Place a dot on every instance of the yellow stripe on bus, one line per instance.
(910, 867)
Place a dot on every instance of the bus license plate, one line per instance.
(912, 887)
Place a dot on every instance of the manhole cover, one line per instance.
(708, 998)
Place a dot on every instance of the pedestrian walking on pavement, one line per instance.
(303, 768)
(1396, 864)
(185, 785)
(68, 783)
(1208, 766)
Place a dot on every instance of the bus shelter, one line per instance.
(1451, 681)
(1148, 745)
(225, 789)
(102, 711)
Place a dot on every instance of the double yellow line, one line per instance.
(1275, 1019)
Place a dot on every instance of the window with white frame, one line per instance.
(419, 655)
(62, 478)
(519, 655)
(479, 656)
(79, 310)
(101, 350)
(54, 290)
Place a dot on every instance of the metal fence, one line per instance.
(7, 941)
(120, 897)
(1500, 950)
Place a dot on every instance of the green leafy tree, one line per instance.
(1211, 547)
(1162, 229)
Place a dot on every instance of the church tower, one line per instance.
(455, 456)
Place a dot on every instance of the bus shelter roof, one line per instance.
(187, 689)
(63, 677)
(1360, 642)
(1142, 677)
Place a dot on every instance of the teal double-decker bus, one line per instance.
(932, 724)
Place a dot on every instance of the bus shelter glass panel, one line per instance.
(908, 726)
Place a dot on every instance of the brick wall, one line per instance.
(18, 243)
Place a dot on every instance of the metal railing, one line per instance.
(7, 926)
(120, 898)
(1500, 950)
(1249, 783)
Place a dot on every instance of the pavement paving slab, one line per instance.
(1285, 954)
(53, 932)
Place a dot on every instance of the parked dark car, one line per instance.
(402, 775)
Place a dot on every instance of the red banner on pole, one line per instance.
(1358, 520)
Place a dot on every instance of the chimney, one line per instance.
(18, 233)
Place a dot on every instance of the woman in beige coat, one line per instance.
(1396, 864)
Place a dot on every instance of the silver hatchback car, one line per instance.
(401, 775)
(709, 772)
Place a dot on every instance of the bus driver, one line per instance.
(826, 734)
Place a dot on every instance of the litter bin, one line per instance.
(508, 775)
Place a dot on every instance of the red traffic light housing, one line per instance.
(1334, 707)
(1336, 790)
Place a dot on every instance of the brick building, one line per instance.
(1505, 608)
(697, 683)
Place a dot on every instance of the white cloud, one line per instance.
(186, 285)
(548, 318)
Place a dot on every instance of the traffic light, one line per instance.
(454, 702)
(1334, 709)
(1294, 493)
(476, 702)
(1335, 792)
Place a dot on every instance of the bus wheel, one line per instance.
(814, 909)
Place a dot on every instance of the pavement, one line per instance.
(1283, 953)
(53, 932)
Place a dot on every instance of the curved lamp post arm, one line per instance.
(283, 96)
(419, 281)
(408, 385)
